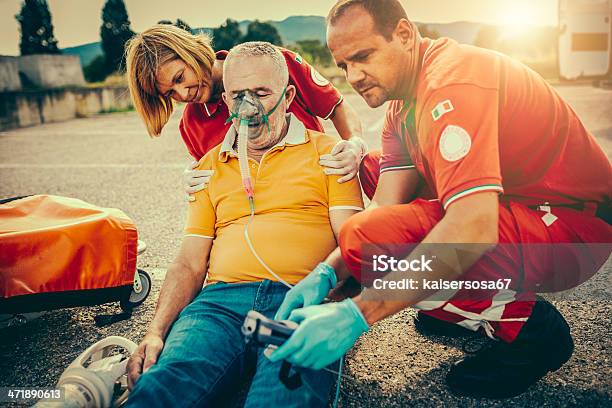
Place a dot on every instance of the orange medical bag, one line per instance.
(62, 252)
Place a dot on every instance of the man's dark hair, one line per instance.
(385, 13)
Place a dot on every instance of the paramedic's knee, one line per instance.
(350, 243)
(385, 230)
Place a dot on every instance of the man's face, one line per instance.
(261, 77)
(372, 65)
(176, 80)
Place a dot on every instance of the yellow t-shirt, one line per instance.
(291, 230)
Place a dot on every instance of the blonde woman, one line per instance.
(166, 64)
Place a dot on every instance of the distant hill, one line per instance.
(87, 52)
(291, 29)
(296, 28)
(461, 31)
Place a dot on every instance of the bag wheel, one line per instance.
(138, 292)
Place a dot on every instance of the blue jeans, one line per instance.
(205, 358)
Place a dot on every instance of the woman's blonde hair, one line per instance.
(146, 52)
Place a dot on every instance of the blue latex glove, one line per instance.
(326, 332)
(309, 291)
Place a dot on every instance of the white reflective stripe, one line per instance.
(473, 325)
(493, 313)
(334, 107)
(392, 168)
(488, 187)
(442, 297)
(196, 235)
(345, 207)
(426, 53)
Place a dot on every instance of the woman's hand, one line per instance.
(344, 159)
(195, 180)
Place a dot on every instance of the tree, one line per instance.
(314, 52)
(36, 29)
(180, 23)
(96, 70)
(115, 32)
(258, 31)
(226, 35)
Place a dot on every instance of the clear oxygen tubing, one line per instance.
(248, 108)
(243, 132)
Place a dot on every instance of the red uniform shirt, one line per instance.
(203, 125)
(483, 122)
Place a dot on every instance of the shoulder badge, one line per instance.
(317, 78)
(455, 143)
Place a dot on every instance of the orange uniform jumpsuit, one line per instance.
(483, 122)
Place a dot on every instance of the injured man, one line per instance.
(268, 217)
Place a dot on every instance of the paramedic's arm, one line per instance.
(346, 121)
(184, 280)
(345, 158)
(394, 187)
(470, 220)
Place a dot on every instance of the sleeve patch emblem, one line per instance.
(298, 58)
(441, 109)
(455, 143)
(318, 78)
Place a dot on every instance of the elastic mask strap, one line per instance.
(234, 115)
(271, 111)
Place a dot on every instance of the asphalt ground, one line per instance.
(109, 160)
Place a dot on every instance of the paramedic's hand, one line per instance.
(309, 291)
(195, 180)
(144, 357)
(344, 158)
(326, 332)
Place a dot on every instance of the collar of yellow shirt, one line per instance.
(296, 134)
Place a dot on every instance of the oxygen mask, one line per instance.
(252, 117)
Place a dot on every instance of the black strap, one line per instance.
(291, 382)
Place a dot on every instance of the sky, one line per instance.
(78, 21)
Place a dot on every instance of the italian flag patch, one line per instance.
(298, 58)
(441, 109)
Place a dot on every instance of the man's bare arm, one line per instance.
(184, 280)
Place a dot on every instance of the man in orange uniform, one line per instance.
(507, 161)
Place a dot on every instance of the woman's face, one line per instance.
(176, 80)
